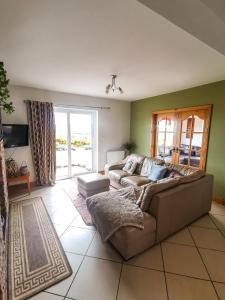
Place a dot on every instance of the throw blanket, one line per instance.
(113, 210)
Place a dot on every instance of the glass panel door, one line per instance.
(166, 137)
(76, 142)
(62, 145)
(191, 142)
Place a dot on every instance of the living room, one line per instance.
(111, 161)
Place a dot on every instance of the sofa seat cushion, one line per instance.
(135, 180)
(116, 175)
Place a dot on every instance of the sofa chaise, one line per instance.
(172, 203)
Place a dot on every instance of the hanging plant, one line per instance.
(5, 104)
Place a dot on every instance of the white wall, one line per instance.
(113, 124)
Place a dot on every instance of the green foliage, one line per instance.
(129, 146)
(6, 105)
(75, 143)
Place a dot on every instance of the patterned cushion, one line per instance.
(139, 159)
(184, 170)
(130, 166)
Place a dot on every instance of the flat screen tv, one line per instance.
(15, 135)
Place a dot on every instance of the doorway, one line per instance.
(180, 136)
(76, 141)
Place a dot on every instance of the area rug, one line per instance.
(36, 257)
(80, 204)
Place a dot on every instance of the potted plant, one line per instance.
(129, 147)
(5, 104)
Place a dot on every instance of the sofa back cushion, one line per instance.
(148, 163)
(139, 159)
(149, 190)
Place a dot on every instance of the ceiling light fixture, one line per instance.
(113, 86)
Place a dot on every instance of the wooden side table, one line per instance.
(25, 178)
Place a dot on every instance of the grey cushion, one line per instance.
(134, 180)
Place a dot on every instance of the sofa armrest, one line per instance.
(116, 166)
(181, 205)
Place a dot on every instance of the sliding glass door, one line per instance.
(76, 141)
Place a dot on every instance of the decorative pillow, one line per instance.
(157, 172)
(130, 166)
(148, 163)
(174, 174)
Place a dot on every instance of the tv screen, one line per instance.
(15, 135)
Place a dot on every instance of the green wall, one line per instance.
(214, 93)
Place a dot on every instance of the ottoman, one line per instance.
(94, 183)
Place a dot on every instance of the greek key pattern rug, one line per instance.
(36, 257)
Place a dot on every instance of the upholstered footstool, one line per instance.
(91, 184)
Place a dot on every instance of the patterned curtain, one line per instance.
(41, 122)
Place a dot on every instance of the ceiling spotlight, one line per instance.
(112, 87)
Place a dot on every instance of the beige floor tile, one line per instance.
(215, 263)
(78, 222)
(46, 296)
(64, 216)
(181, 237)
(62, 287)
(58, 199)
(141, 284)
(60, 229)
(184, 260)
(77, 240)
(220, 288)
(151, 258)
(204, 222)
(51, 210)
(219, 221)
(96, 279)
(208, 238)
(217, 209)
(184, 288)
(104, 250)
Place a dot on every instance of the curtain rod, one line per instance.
(82, 106)
(79, 106)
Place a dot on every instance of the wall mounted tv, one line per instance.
(15, 135)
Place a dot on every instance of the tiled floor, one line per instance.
(190, 265)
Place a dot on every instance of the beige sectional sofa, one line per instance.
(169, 210)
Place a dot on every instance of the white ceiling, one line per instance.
(74, 45)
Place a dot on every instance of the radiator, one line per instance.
(114, 156)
